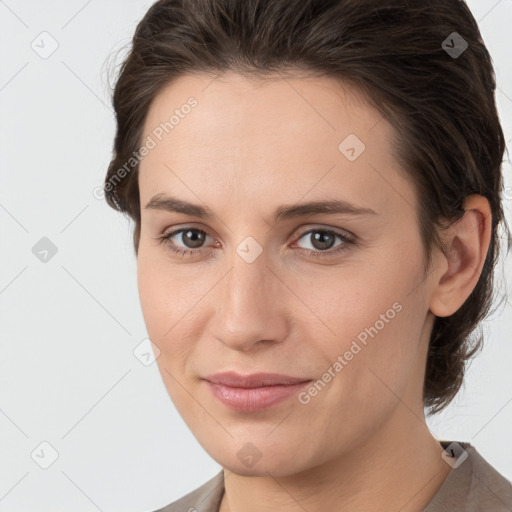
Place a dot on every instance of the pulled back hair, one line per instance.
(448, 137)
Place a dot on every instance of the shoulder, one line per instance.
(489, 487)
(473, 485)
(205, 498)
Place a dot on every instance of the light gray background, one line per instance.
(68, 374)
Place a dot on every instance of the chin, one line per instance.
(251, 461)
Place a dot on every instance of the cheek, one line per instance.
(160, 301)
(170, 302)
(164, 306)
(165, 290)
(372, 327)
(151, 295)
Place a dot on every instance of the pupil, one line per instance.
(196, 237)
(320, 237)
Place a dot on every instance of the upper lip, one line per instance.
(254, 380)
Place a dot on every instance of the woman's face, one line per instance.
(335, 298)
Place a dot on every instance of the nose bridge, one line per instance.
(243, 291)
(250, 306)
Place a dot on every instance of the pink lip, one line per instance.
(253, 393)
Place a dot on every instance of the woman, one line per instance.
(316, 192)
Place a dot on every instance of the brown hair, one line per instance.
(402, 55)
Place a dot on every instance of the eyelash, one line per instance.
(347, 241)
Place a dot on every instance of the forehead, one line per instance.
(275, 104)
(291, 135)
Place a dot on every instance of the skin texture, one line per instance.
(247, 148)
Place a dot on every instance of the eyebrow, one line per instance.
(172, 204)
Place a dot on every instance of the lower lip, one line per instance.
(253, 399)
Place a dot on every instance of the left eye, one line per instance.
(323, 239)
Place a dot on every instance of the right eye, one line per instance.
(189, 235)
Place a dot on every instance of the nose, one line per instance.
(250, 306)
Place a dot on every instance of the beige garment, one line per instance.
(472, 486)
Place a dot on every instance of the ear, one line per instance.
(468, 242)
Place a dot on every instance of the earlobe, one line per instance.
(468, 241)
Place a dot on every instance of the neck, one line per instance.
(399, 468)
